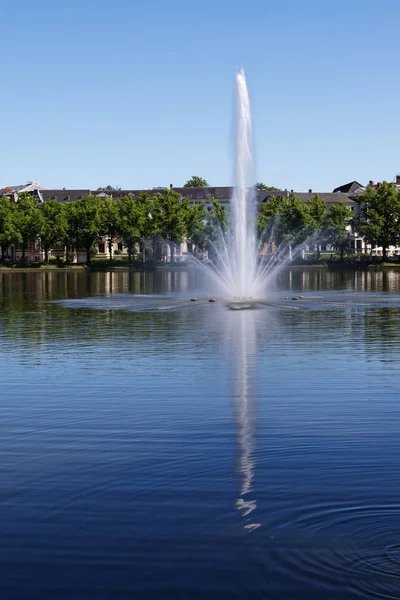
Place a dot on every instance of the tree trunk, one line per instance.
(3, 253)
(341, 253)
(318, 251)
(110, 245)
(130, 255)
(23, 251)
(172, 250)
(384, 253)
(88, 256)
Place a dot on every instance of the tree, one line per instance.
(171, 218)
(336, 227)
(109, 218)
(196, 181)
(296, 224)
(85, 223)
(134, 220)
(197, 225)
(269, 188)
(108, 188)
(9, 233)
(54, 225)
(267, 214)
(317, 208)
(379, 221)
(28, 220)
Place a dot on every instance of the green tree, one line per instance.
(171, 216)
(336, 227)
(267, 215)
(134, 220)
(197, 219)
(54, 225)
(196, 181)
(379, 221)
(109, 218)
(296, 224)
(9, 233)
(85, 223)
(269, 188)
(317, 209)
(28, 220)
(109, 188)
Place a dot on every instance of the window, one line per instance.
(199, 195)
(219, 195)
(101, 248)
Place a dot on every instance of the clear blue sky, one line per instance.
(139, 93)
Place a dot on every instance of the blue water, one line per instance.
(154, 447)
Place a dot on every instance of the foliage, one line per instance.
(379, 220)
(134, 220)
(53, 225)
(109, 221)
(141, 221)
(269, 188)
(296, 223)
(268, 215)
(172, 217)
(336, 227)
(9, 233)
(108, 188)
(85, 223)
(196, 181)
(28, 220)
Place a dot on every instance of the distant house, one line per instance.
(31, 187)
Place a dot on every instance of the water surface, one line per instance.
(154, 447)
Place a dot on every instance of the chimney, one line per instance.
(171, 186)
(371, 182)
(397, 179)
(310, 191)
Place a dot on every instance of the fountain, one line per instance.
(240, 269)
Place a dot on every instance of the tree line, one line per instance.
(167, 216)
(295, 222)
(82, 223)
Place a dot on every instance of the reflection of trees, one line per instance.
(29, 319)
(385, 280)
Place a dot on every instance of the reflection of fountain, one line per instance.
(240, 269)
(245, 401)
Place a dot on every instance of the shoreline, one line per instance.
(152, 268)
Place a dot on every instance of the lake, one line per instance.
(158, 448)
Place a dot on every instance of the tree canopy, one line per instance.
(269, 188)
(165, 215)
(196, 181)
(379, 220)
